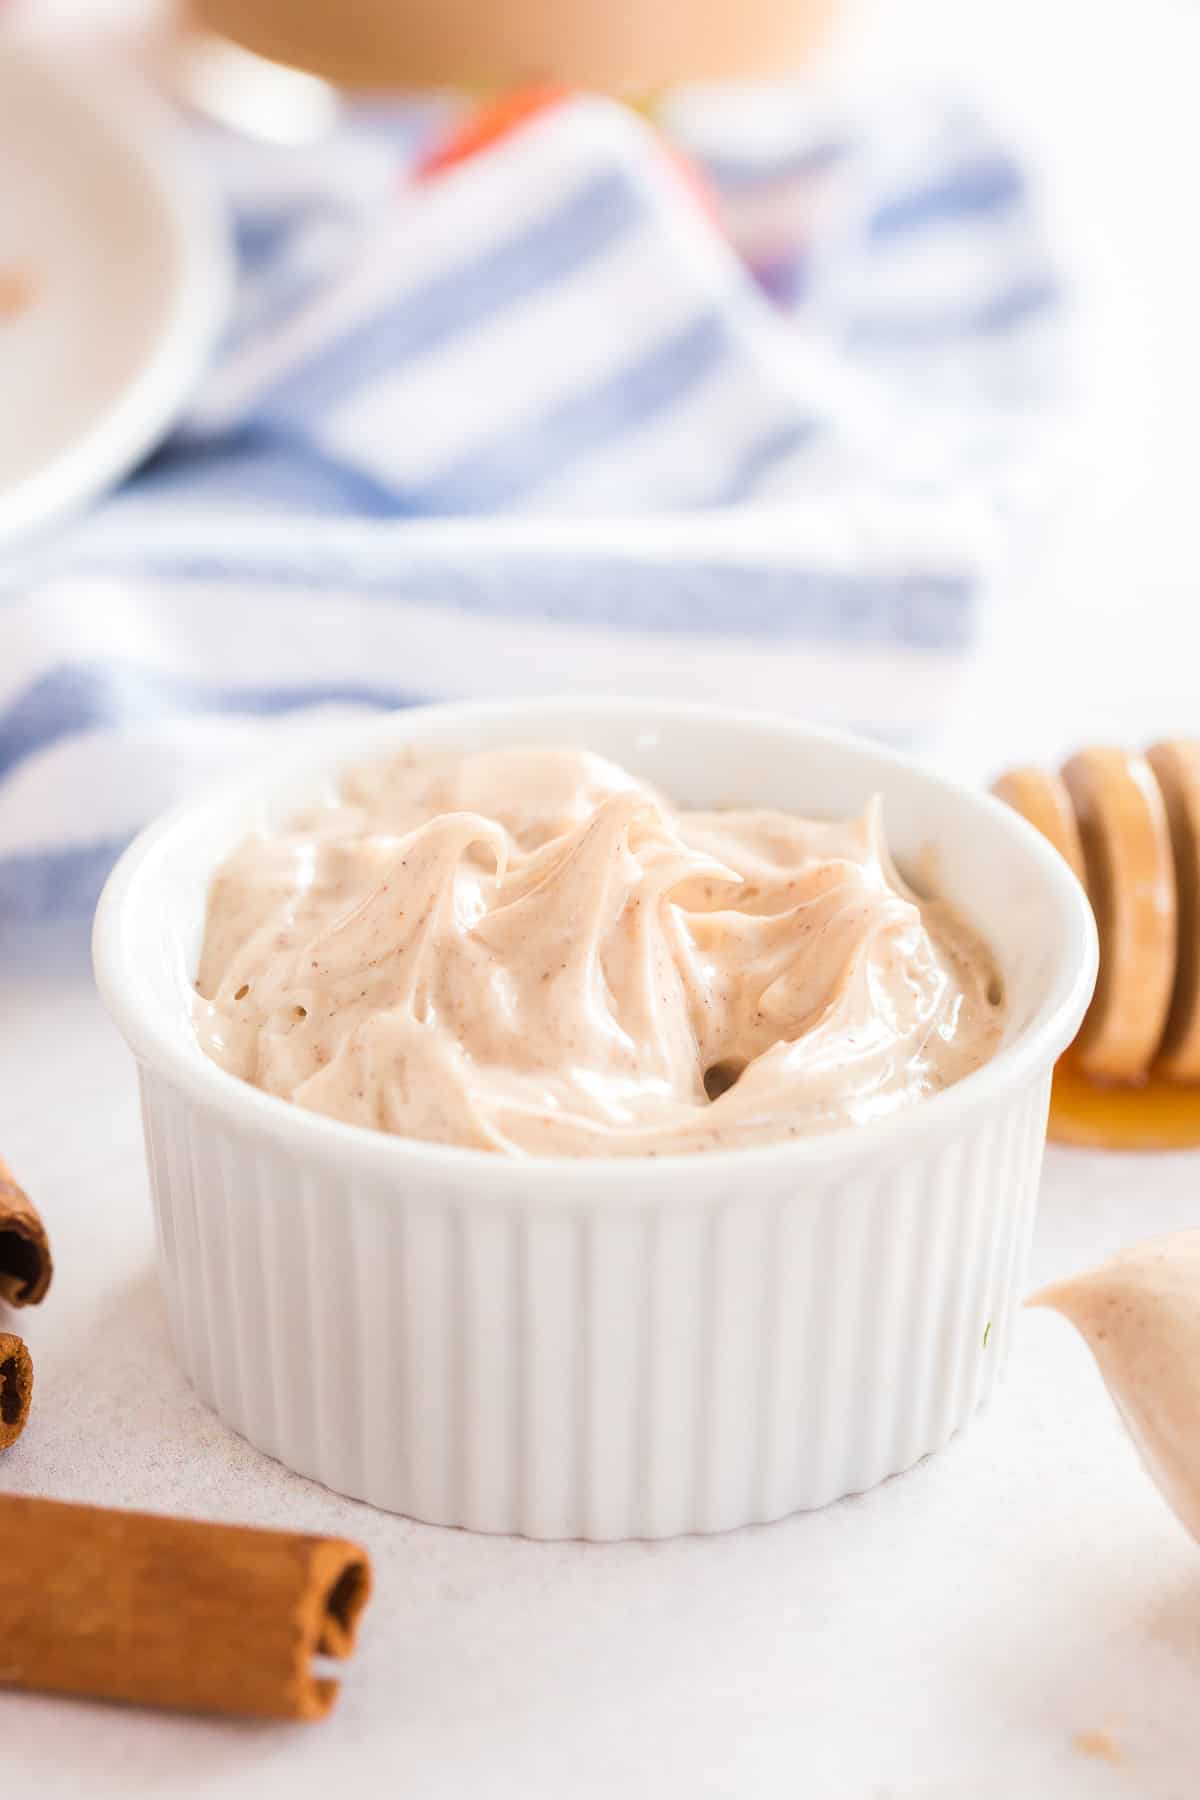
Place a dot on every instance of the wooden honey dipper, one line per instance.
(1129, 826)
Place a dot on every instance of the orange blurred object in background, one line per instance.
(490, 123)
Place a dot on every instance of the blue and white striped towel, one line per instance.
(770, 458)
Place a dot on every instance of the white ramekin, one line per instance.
(612, 1348)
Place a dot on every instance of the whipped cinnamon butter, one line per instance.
(1140, 1316)
(530, 951)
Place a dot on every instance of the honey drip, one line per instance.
(1154, 1114)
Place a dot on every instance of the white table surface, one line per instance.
(954, 1632)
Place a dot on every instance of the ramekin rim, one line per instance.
(305, 1133)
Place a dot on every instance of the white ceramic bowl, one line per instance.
(132, 275)
(599, 1348)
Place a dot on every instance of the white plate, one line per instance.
(129, 273)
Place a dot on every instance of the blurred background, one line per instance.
(834, 357)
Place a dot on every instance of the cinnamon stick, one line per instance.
(25, 1263)
(174, 1612)
(16, 1391)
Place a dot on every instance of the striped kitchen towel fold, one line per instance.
(763, 442)
(560, 324)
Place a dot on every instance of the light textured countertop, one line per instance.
(951, 1634)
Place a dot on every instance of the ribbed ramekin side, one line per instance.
(722, 1355)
